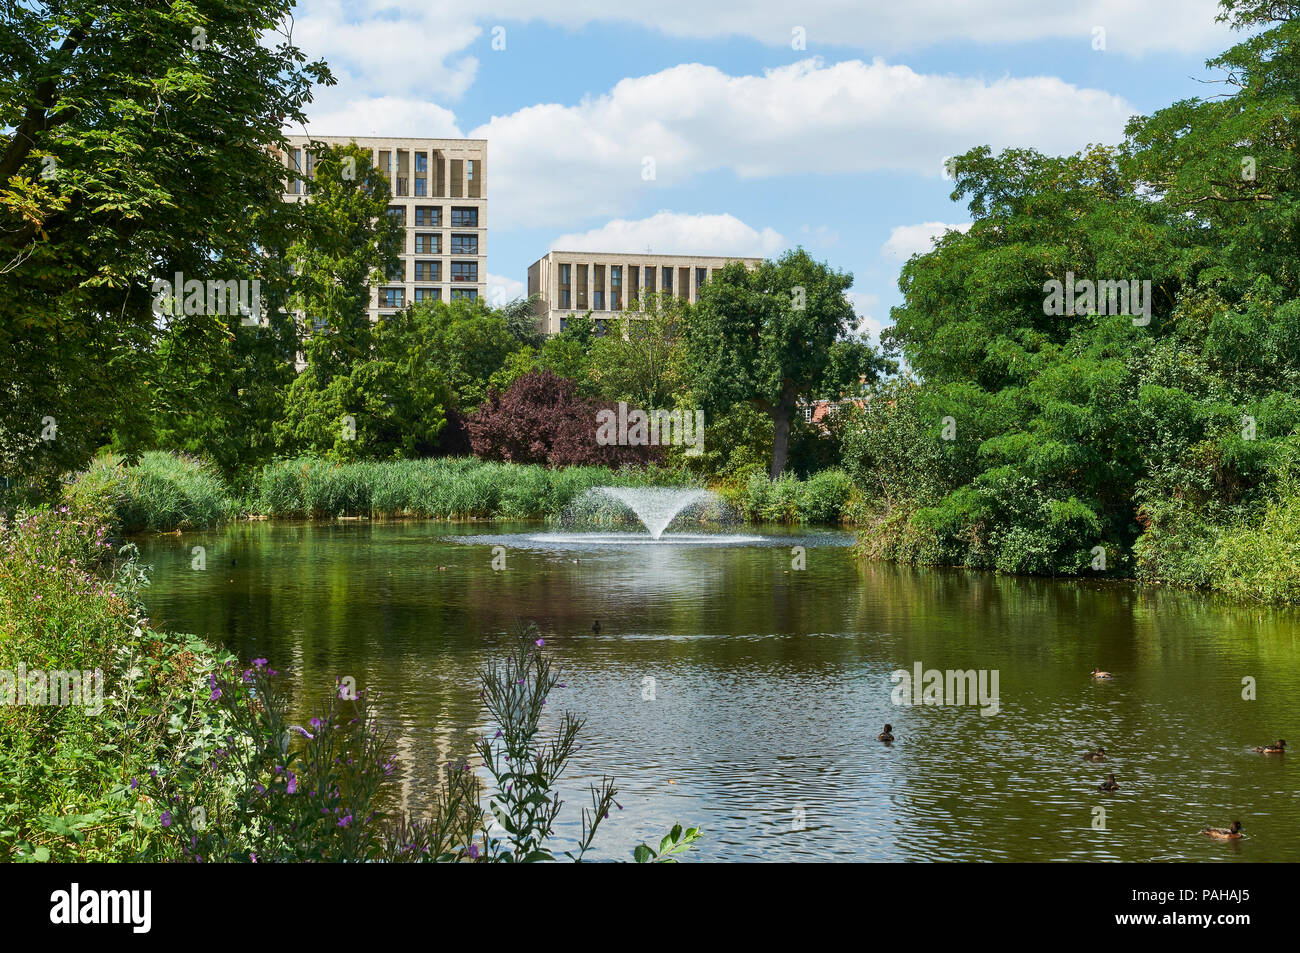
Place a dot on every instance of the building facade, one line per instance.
(573, 283)
(439, 189)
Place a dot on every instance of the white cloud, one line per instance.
(382, 116)
(866, 306)
(553, 164)
(675, 233)
(396, 48)
(403, 36)
(501, 290)
(908, 240)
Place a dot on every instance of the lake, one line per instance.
(731, 690)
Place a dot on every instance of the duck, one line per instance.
(887, 735)
(1109, 784)
(1224, 833)
(1279, 748)
(595, 627)
(1098, 755)
(1098, 673)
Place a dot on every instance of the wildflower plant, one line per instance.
(269, 790)
(524, 765)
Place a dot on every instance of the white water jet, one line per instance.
(655, 507)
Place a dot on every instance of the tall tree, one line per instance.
(773, 335)
(136, 143)
(349, 243)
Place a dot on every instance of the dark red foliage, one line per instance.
(541, 418)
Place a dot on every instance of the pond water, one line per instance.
(730, 690)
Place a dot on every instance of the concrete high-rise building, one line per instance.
(439, 189)
(573, 282)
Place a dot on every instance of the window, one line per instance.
(400, 188)
(428, 216)
(421, 162)
(616, 287)
(464, 244)
(295, 163)
(428, 243)
(566, 298)
(391, 297)
(421, 186)
(463, 294)
(598, 300)
(397, 213)
(427, 294)
(701, 276)
(464, 217)
(565, 272)
(668, 280)
(649, 284)
(397, 272)
(464, 271)
(428, 271)
(469, 170)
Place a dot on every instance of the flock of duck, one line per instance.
(1110, 784)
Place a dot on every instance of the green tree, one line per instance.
(135, 142)
(642, 358)
(341, 401)
(773, 335)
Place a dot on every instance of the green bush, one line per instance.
(162, 492)
(74, 778)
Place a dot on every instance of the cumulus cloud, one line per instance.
(423, 33)
(332, 115)
(554, 164)
(502, 290)
(675, 233)
(908, 240)
(396, 48)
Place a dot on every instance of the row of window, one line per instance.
(396, 297)
(642, 276)
(430, 243)
(431, 216)
(300, 161)
(432, 271)
(401, 183)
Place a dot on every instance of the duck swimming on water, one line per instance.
(1109, 784)
(1279, 748)
(887, 735)
(1098, 673)
(1224, 833)
(1098, 755)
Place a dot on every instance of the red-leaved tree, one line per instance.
(541, 418)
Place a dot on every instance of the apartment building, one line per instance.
(572, 282)
(439, 189)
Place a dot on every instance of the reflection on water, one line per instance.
(728, 689)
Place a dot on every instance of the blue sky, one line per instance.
(769, 124)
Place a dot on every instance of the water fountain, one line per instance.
(655, 507)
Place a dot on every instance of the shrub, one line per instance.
(542, 419)
(825, 497)
(74, 777)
